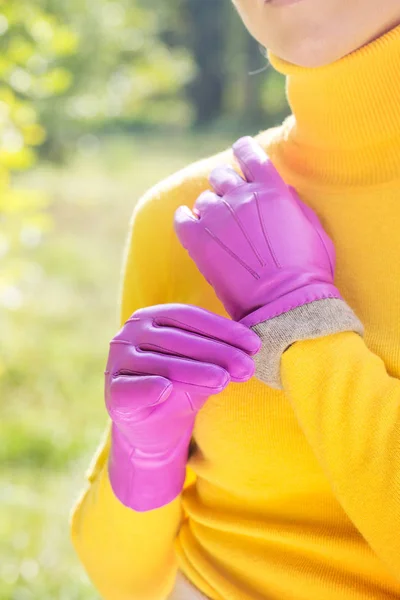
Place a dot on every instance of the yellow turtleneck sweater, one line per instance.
(291, 495)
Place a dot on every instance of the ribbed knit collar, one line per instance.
(345, 127)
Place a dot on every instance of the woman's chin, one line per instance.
(311, 54)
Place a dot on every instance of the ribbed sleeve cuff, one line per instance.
(310, 321)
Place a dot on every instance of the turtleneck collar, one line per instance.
(345, 127)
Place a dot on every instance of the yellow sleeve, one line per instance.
(129, 555)
(349, 409)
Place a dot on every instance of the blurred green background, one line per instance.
(99, 100)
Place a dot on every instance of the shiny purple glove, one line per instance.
(263, 251)
(162, 366)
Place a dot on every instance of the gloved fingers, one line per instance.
(219, 236)
(224, 179)
(207, 202)
(184, 373)
(192, 346)
(251, 157)
(186, 221)
(169, 341)
(201, 322)
(256, 165)
(131, 397)
(186, 226)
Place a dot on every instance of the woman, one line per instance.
(292, 485)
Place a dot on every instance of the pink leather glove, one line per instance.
(267, 257)
(162, 366)
(263, 250)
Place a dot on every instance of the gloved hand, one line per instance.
(267, 257)
(162, 366)
(263, 250)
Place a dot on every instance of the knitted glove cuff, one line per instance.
(309, 321)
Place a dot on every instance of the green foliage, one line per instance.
(124, 71)
(137, 63)
(33, 45)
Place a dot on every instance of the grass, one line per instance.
(53, 351)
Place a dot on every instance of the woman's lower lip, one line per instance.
(282, 2)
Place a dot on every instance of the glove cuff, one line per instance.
(288, 302)
(143, 482)
(309, 321)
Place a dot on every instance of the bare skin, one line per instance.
(313, 33)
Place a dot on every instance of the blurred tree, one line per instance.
(106, 61)
(232, 78)
(140, 63)
(205, 34)
(148, 62)
(32, 42)
(249, 79)
(124, 74)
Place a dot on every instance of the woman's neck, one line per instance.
(345, 127)
(386, 28)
